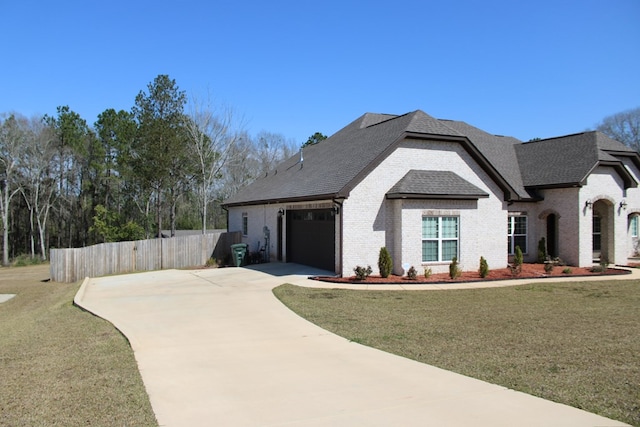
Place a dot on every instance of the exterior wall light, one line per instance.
(280, 212)
(588, 204)
(623, 204)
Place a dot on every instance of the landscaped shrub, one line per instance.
(385, 263)
(454, 269)
(362, 273)
(412, 274)
(604, 263)
(548, 267)
(542, 250)
(484, 267)
(427, 273)
(516, 267)
(517, 256)
(567, 271)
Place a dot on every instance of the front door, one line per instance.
(597, 236)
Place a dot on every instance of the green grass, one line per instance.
(574, 343)
(62, 366)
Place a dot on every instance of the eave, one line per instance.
(330, 196)
(437, 196)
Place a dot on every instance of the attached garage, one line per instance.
(311, 237)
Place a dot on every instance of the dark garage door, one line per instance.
(311, 237)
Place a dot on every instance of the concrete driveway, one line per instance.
(215, 347)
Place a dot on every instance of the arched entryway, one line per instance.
(633, 233)
(550, 221)
(602, 230)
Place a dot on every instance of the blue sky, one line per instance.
(524, 69)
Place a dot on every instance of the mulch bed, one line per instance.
(529, 271)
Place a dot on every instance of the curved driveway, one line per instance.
(215, 347)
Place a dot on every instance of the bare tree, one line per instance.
(38, 184)
(270, 149)
(213, 136)
(12, 135)
(623, 127)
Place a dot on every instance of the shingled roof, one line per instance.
(568, 160)
(421, 184)
(333, 167)
(330, 169)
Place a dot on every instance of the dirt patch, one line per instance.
(529, 271)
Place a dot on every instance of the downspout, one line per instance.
(337, 204)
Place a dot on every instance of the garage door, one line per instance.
(311, 238)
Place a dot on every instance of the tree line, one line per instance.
(164, 165)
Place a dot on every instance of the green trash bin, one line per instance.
(239, 252)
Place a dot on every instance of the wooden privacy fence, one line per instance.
(70, 265)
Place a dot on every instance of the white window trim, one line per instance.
(634, 229)
(441, 239)
(511, 232)
(245, 224)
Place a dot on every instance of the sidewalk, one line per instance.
(215, 347)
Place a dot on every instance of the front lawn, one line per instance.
(60, 365)
(575, 343)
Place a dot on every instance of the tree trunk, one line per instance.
(172, 218)
(5, 228)
(159, 215)
(204, 208)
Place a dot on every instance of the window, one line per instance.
(245, 224)
(439, 238)
(517, 233)
(633, 225)
(597, 233)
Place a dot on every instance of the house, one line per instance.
(430, 190)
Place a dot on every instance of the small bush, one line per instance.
(385, 263)
(597, 269)
(24, 260)
(542, 250)
(567, 271)
(427, 273)
(558, 261)
(548, 267)
(604, 263)
(484, 268)
(518, 259)
(454, 269)
(362, 273)
(412, 274)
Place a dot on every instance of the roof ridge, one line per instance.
(374, 119)
(560, 136)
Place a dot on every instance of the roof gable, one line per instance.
(499, 151)
(568, 160)
(332, 168)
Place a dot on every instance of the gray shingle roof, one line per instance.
(434, 184)
(333, 167)
(568, 160)
(499, 150)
